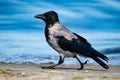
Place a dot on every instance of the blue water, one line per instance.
(22, 36)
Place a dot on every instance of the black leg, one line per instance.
(82, 64)
(61, 60)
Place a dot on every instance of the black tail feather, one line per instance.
(100, 62)
(97, 54)
(103, 57)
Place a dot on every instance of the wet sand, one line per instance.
(30, 71)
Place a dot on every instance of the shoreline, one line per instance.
(31, 71)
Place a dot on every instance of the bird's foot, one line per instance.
(47, 67)
(85, 62)
(82, 65)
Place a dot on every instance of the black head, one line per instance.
(49, 17)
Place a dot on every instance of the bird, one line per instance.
(68, 43)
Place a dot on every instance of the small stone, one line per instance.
(86, 71)
(23, 73)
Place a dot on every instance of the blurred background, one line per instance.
(22, 36)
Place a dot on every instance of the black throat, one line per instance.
(47, 31)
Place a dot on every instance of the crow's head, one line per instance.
(49, 17)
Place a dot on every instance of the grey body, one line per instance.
(58, 30)
(67, 43)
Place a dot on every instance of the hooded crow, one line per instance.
(67, 43)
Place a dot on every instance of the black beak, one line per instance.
(40, 16)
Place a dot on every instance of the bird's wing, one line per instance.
(82, 39)
(74, 45)
(78, 46)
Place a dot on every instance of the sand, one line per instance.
(30, 71)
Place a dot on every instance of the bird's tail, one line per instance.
(100, 62)
(97, 54)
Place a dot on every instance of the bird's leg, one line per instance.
(61, 60)
(82, 64)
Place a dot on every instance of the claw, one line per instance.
(49, 67)
(82, 65)
(85, 62)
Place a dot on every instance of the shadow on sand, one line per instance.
(68, 68)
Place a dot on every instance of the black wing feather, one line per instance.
(66, 44)
(74, 45)
(82, 39)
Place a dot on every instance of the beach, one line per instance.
(31, 71)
